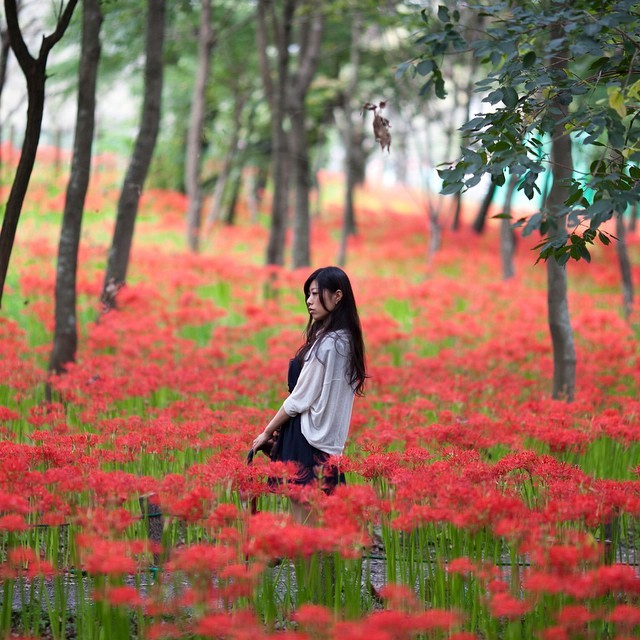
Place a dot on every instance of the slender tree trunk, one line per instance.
(507, 235)
(301, 254)
(633, 220)
(65, 336)
(349, 225)
(310, 40)
(481, 217)
(230, 217)
(625, 267)
(564, 354)
(5, 47)
(227, 165)
(277, 97)
(34, 70)
(136, 175)
(206, 43)
(435, 226)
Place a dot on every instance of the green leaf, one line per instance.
(574, 197)
(439, 85)
(616, 101)
(584, 252)
(509, 97)
(502, 216)
(528, 59)
(604, 239)
(451, 188)
(425, 67)
(443, 14)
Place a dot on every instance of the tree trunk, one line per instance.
(65, 336)
(230, 217)
(507, 235)
(193, 187)
(136, 175)
(301, 178)
(435, 227)
(564, 354)
(276, 97)
(349, 225)
(310, 41)
(481, 217)
(633, 220)
(227, 164)
(5, 47)
(625, 267)
(34, 70)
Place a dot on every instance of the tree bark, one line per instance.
(481, 217)
(564, 354)
(227, 163)
(136, 175)
(625, 267)
(349, 225)
(277, 96)
(507, 235)
(65, 336)
(34, 70)
(206, 43)
(5, 47)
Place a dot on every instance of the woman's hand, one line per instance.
(263, 439)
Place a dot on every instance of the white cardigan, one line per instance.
(323, 395)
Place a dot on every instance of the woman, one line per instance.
(324, 376)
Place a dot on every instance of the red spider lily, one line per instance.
(392, 625)
(109, 557)
(460, 566)
(104, 522)
(23, 561)
(575, 616)
(13, 522)
(504, 605)
(238, 581)
(202, 558)
(276, 536)
(399, 596)
(240, 625)
(315, 619)
(625, 615)
(119, 596)
(224, 514)
(164, 630)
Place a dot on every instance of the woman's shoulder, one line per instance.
(333, 340)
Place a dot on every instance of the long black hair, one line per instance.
(343, 316)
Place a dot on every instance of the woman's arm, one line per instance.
(276, 422)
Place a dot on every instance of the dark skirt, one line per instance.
(291, 446)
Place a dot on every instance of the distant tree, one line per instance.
(119, 254)
(65, 336)
(35, 73)
(5, 47)
(582, 83)
(507, 234)
(286, 89)
(206, 43)
(275, 87)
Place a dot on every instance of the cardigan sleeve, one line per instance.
(307, 389)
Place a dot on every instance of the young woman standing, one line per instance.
(325, 375)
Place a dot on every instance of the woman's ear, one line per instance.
(338, 295)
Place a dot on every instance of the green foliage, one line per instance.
(521, 86)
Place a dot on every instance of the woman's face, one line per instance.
(317, 310)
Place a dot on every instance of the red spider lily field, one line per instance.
(475, 505)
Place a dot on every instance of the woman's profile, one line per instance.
(325, 375)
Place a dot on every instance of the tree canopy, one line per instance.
(521, 90)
